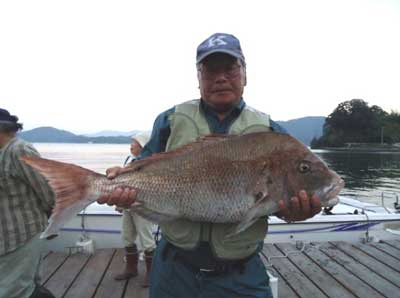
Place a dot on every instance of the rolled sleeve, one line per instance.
(159, 136)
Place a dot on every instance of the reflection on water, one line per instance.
(367, 175)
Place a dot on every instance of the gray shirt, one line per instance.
(25, 197)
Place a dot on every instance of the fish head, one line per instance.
(307, 171)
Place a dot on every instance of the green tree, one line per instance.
(355, 122)
(391, 127)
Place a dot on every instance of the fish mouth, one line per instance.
(332, 202)
(329, 196)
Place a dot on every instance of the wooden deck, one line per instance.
(332, 269)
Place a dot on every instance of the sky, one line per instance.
(87, 66)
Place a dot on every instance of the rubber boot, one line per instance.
(148, 258)
(132, 258)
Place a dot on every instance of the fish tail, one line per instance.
(71, 186)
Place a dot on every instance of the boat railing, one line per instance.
(392, 196)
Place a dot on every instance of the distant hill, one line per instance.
(304, 129)
(54, 135)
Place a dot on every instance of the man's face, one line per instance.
(5, 136)
(135, 148)
(221, 81)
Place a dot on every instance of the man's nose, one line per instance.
(220, 76)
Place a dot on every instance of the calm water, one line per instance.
(367, 175)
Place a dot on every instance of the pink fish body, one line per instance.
(221, 179)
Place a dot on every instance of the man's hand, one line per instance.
(299, 208)
(121, 197)
(113, 172)
(118, 209)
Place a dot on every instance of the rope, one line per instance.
(286, 255)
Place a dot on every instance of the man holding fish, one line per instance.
(200, 257)
(25, 204)
(136, 228)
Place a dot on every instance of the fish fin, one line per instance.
(201, 142)
(211, 138)
(243, 225)
(58, 219)
(198, 144)
(151, 215)
(262, 178)
(251, 216)
(258, 189)
(71, 186)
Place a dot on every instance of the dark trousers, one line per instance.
(172, 278)
(41, 292)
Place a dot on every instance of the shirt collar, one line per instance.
(236, 110)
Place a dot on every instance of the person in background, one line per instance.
(195, 259)
(135, 227)
(26, 201)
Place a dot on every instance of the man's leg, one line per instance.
(253, 282)
(41, 292)
(19, 270)
(171, 279)
(147, 243)
(129, 235)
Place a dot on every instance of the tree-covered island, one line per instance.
(355, 124)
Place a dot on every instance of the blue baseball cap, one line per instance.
(220, 43)
(5, 116)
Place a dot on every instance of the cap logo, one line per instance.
(217, 41)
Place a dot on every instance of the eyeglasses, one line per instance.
(210, 72)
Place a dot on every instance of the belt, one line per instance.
(218, 269)
(214, 268)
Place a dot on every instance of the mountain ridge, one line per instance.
(304, 129)
(48, 134)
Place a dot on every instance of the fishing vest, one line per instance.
(188, 123)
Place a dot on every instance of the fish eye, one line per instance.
(304, 167)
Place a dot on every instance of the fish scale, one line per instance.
(221, 179)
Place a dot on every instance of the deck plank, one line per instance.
(110, 288)
(390, 250)
(383, 257)
(60, 282)
(324, 281)
(284, 289)
(51, 263)
(394, 243)
(324, 270)
(379, 283)
(373, 264)
(345, 277)
(293, 276)
(91, 275)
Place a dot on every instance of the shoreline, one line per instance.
(362, 149)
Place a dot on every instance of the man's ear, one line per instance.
(198, 79)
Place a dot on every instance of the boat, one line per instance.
(99, 226)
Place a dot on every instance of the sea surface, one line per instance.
(368, 176)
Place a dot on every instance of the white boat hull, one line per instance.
(103, 225)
